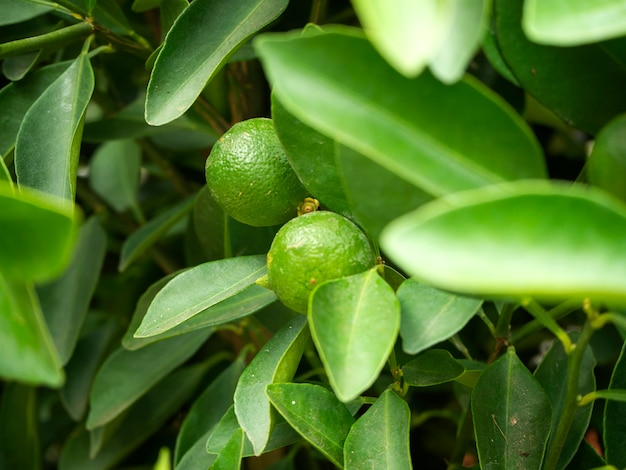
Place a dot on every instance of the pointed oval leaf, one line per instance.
(197, 289)
(574, 22)
(231, 454)
(615, 416)
(21, 10)
(433, 367)
(316, 414)
(430, 316)
(511, 415)
(411, 127)
(380, 438)
(275, 362)
(354, 320)
(606, 165)
(201, 40)
(516, 240)
(48, 142)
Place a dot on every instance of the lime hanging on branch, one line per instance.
(250, 177)
(313, 248)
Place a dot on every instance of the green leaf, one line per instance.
(586, 457)
(354, 320)
(433, 367)
(127, 375)
(19, 427)
(615, 416)
(593, 98)
(316, 414)
(65, 301)
(16, 11)
(380, 438)
(552, 376)
(430, 316)
(574, 22)
(275, 362)
(48, 142)
(199, 43)
(28, 353)
(231, 454)
(5, 176)
(197, 289)
(16, 67)
(516, 240)
(143, 238)
(606, 165)
(511, 415)
(114, 173)
(411, 127)
(37, 236)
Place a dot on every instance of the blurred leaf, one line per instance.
(354, 320)
(430, 316)
(16, 67)
(229, 456)
(139, 6)
(197, 289)
(17, 98)
(615, 417)
(573, 23)
(16, 11)
(164, 459)
(48, 142)
(114, 173)
(144, 237)
(19, 428)
(5, 176)
(127, 375)
(316, 414)
(516, 240)
(275, 362)
(606, 165)
(594, 97)
(65, 301)
(411, 127)
(380, 438)
(191, 57)
(552, 376)
(38, 234)
(511, 412)
(432, 367)
(28, 353)
(586, 457)
(143, 419)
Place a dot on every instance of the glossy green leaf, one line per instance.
(28, 353)
(430, 316)
(511, 413)
(354, 320)
(114, 173)
(143, 419)
(145, 237)
(19, 427)
(16, 99)
(411, 127)
(584, 85)
(16, 11)
(48, 142)
(169, 11)
(380, 438)
(573, 22)
(65, 301)
(516, 240)
(313, 156)
(606, 165)
(229, 457)
(433, 367)
(27, 251)
(197, 289)
(127, 375)
(552, 376)
(197, 46)
(316, 414)
(275, 362)
(615, 417)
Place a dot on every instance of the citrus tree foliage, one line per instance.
(479, 145)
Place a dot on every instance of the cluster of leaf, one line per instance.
(481, 145)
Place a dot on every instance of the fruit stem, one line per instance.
(47, 40)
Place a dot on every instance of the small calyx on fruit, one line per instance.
(308, 205)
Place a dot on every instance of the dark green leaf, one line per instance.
(607, 163)
(354, 320)
(380, 438)
(19, 428)
(197, 46)
(433, 367)
(586, 457)
(615, 417)
(511, 415)
(16, 11)
(430, 315)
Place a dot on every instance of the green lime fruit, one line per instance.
(249, 176)
(311, 249)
